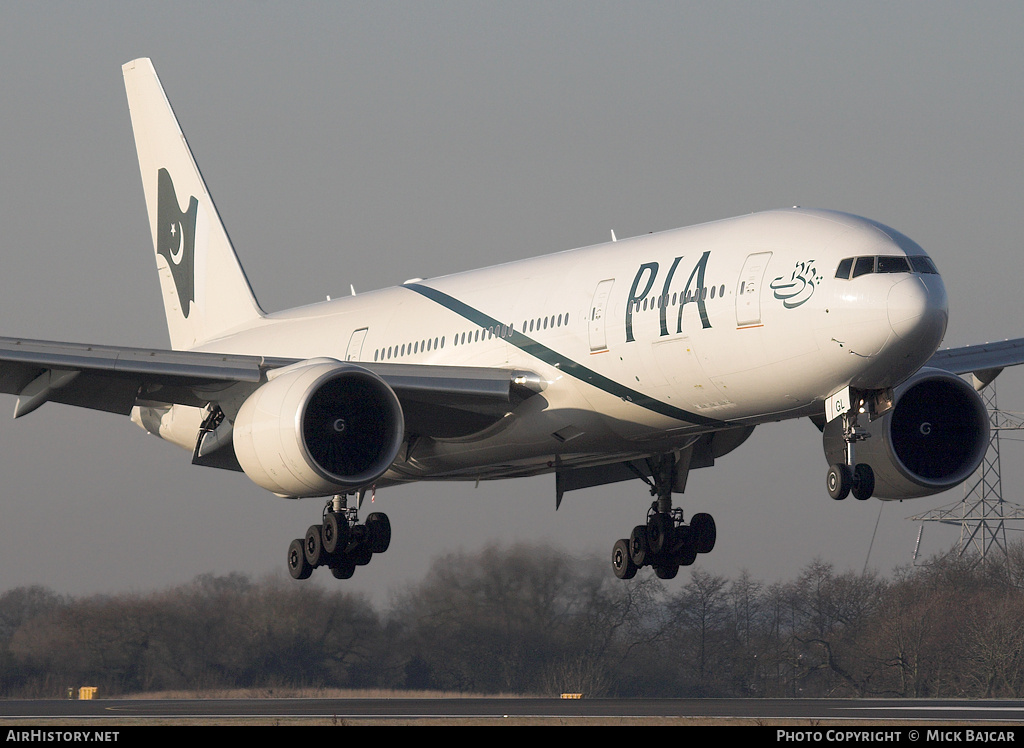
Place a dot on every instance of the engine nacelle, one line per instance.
(318, 428)
(932, 439)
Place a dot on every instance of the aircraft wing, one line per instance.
(436, 400)
(984, 361)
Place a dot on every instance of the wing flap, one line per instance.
(196, 366)
(112, 378)
(439, 401)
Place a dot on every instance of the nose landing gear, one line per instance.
(851, 477)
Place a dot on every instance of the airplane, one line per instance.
(638, 359)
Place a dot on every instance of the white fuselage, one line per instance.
(642, 343)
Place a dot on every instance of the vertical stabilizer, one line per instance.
(204, 289)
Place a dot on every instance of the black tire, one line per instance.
(638, 550)
(358, 537)
(362, 555)
(703, 532)
(378, 530)
(659, 533)
(298, 566)
(863, 482)
(313, 546)
(686, 556)
(335, 532)
(666, 571)
(680, 537)
(343, 569)
(622, 564)
(839, 481)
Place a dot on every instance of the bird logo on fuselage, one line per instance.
(799, 287)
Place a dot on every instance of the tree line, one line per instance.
(529, 619)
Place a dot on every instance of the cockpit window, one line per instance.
(923, 264)
(893, 265)
(863, 266)
(853, 267)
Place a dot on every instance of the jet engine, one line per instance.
(932, 439)
(318, 428)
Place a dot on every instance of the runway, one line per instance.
(102, 712)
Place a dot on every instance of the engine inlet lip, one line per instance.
(391, 408)
(971, 414)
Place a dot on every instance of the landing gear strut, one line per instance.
(666, 542)
(340, 542)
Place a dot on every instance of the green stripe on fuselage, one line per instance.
(563, 363)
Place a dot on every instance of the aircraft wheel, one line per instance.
(378, 530)
(638, 550)
(659, 532)
(298, 566)
(839, 480)
(622, 564)
(686, 556)
(343, 569)
(681, 536)
(313, 546)
(357, 536)
(703, 532)
(666, 571)
(863, 482)
(335, 532)
(359, 548)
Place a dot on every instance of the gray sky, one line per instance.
(366, 143)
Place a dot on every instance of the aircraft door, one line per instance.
(598, 312)
(748, 289)
(355, 345)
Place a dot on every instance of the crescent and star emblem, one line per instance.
(176, 242)
(176, 256)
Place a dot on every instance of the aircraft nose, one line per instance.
(918, 310)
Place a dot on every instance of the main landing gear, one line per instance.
(665, 543)
(851, 477)
(340, 542)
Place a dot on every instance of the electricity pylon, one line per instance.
(982, 514)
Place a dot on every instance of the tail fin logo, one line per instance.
(176, 239)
